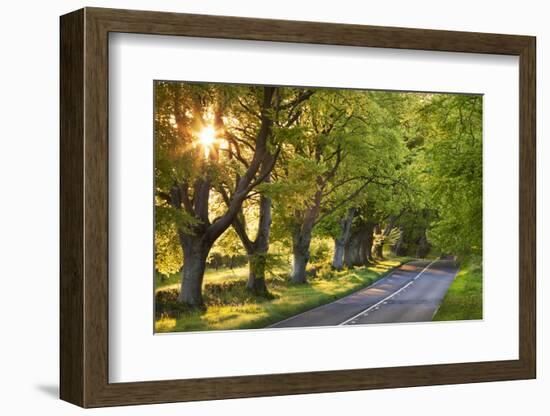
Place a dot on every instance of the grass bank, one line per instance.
(464, 299)
(230, 306)
(210, 276)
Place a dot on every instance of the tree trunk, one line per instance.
(342, 240)
(423, 245)
(301, 239)
(378, 248)
(397, 248)
(352, 251)
(256, 273)
(338, 258)
(257, 256)
(299, 264)
(366, 246)
(256, 249)
(195, 252)
(378, 252)
(358, 249)
(368, 241)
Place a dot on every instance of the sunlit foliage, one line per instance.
(334, 164)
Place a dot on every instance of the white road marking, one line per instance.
(377, 305)
(375, 284)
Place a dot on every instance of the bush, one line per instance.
(167, 305)
(320, 250)
(216, 260)
(321, 270)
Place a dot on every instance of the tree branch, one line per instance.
(330, 174)
(331, 210)
(243, 186)
(303, 96)
(248, 109)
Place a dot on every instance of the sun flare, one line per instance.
(207, 136)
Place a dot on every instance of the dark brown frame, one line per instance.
(84, 207)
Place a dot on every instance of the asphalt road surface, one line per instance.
(411, 293)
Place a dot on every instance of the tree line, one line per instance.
(366, 169)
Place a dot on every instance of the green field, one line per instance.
(230, 306)
(464, 300)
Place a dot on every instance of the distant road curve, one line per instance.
(411, 293)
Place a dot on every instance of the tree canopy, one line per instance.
(240, 170)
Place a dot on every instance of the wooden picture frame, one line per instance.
(84, 207)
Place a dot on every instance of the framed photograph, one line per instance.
(255, 207)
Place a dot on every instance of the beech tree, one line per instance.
(358, 247)
(333, 161)
(287, 109)
(188, 120)
(386, 190)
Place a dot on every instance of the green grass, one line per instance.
(464, 299)
(230, 306)
(210, 276)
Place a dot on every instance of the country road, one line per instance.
(411, 293)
